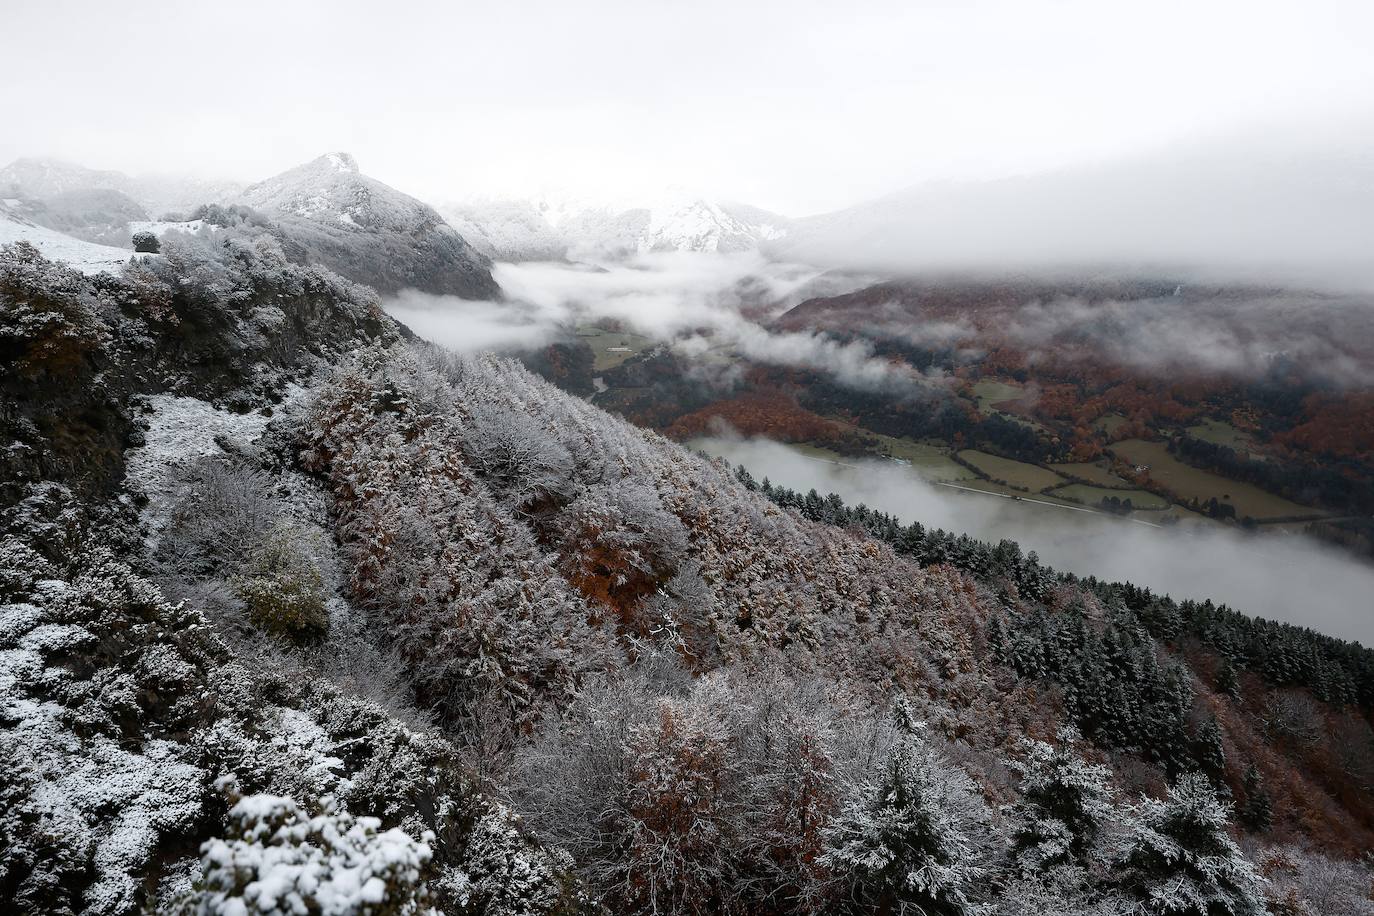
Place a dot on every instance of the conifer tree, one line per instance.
(908, 839)
(1178, 859)
(1208, 751)
(1257, 813)
(1064, 801)
(1227, 680)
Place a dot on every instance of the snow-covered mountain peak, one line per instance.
(330, 188)
(369, 231)
(342, 162)
(556, 224)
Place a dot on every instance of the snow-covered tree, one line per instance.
(516, 456)
(146, 242)
(1064, 802)
(910, 839)
(619, 543)
(505, 874)
(1178, 859)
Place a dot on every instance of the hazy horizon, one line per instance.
(797, 109)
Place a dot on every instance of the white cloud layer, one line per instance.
(695, 302)
(800, 106)
(1286, 578)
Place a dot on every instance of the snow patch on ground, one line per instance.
(302, 739)
(180, 431)
(87, 257)
(159, 227)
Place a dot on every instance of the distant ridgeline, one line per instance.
(1101, 666)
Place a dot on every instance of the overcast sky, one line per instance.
(796, 106)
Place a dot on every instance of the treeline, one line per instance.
(1345, 485)
(1335, 670)
(1116, 689)
(932, 416)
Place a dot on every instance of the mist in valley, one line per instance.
(698, 303)
(1288, 578)
(695, 302)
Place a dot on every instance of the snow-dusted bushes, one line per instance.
(471, 600)
(99, 678)
(146, 242)
(519, 460)
(280, 858)
(283, 589)
(117, 711)
(619, 543)
(50, 317)
(1304, 882)
(727, 793)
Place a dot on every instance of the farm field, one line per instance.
(1015, 473)
(611, 348)
(1194, 483)
(1219, 432)
(1091, 496)
(1093, 472)
(932, 462)
(989, 392)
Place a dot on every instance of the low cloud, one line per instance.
(1238, 338)
(1237, 333)
(469, 326)
(695, 302)
(1288, 578)
(1294, 205)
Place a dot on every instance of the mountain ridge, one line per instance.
(370, 232)
(555, 226)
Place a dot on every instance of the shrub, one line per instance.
(284, 591)
(279, 858)
(146, 243)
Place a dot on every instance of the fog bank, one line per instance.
(694, 302)
(1294, 206)
(1286, 578)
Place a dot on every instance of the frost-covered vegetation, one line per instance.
(300, 615)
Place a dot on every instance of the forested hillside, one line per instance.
(302, 614)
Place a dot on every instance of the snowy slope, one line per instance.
(371, 232)
(160, 227)
(556, 225)
(99, 216)
(87, 257)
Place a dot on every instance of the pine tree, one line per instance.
(1064, 801)
(1178, 859)
(1227, 680)
(908, 841)
(1257, 813)
(1208, 751)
